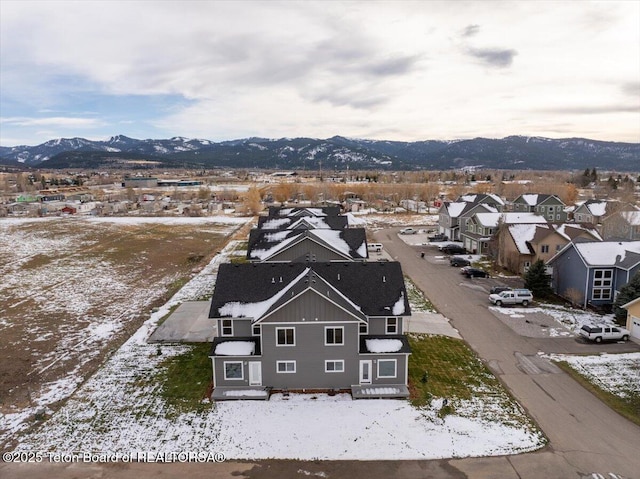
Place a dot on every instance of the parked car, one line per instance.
(470, 272)
(512, 296)
(408, 231)
(453, 249)
(458, 261)
(604, 332)
(499, 289)
(375, 247)
(438, 237)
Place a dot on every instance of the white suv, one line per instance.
(603, 332)
(512, 296)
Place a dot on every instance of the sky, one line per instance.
(397, 70)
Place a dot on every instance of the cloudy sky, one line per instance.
(385, 70)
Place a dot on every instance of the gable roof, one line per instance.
(631, 217)
(620, 254)
(594, 207)
(492, 219)
(351, 243)
(281, 211)
(535, 199)
(338, 222)
(524, 233)
(477, 198)
(253, 290)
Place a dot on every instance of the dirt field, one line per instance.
(71, 290)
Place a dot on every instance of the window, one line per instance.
(544, 248)
(233, 370)
(285, 336)
(255, 331)
(392, 326)
(387, 368)
(286, 366)
(333, 336)
(364, 328)
(334, 366)
(227, 327)
(602, 282)
(527, 265)
(558, 247)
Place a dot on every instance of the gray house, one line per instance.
(310, 326)
(453, 216)
(592, 273)
(308, 245)
(268, 223)
(549, 206)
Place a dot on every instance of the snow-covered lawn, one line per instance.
(120, 410)
(618, 374)
(69, 287)
(569, 320)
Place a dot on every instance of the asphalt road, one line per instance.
(585, 436)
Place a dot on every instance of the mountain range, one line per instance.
(513, 152)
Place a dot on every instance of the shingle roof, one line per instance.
(350, 242)
(377, 289)
(282, 211)
(291, 222)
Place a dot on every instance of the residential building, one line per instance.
(633, 318)
(310, 326)
(592, 273)
(549, 206)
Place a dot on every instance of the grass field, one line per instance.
(74, 289)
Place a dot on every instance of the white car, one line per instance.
(512, 296)
(603, 332)
(408, 231)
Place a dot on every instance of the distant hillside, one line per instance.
(513, 152)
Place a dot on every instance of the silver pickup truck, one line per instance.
(512, 296)
(603, 332)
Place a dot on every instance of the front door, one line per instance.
(255, 373)
(365, 371)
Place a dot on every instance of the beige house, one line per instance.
(622, 225)
(633, 318)
(523, 244)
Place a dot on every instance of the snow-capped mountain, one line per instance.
(513, 152)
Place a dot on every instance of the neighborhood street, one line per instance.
(585, 435)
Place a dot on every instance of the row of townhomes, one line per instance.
(591, 250)
(309, 312)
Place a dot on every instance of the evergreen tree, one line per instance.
(628, 292)
(538, 280)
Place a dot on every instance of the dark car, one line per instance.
(499, 289)
(470, 272)
(453, 249)
(458, 261)
(438, 237)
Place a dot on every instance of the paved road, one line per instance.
(585, 435)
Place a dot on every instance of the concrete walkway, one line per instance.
(189, 323)
(430, 323)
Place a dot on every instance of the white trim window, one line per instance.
(255, 330)
(233, 370)
(387, 368)
(227, 327)
(364, 328)
(285, 367)
(334, 335)
(391, 326)
(544, 248)
(285, 336)
(602, 283)
(334, 366)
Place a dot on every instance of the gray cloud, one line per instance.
(631, 89)
(591, 110)
(470, 30)
(495, 57)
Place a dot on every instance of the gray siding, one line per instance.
(378, 326)
(569, 272)
(310, 306)
(401, 362)
(310, 354)
(241, 327)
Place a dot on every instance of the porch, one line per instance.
(231, 393)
